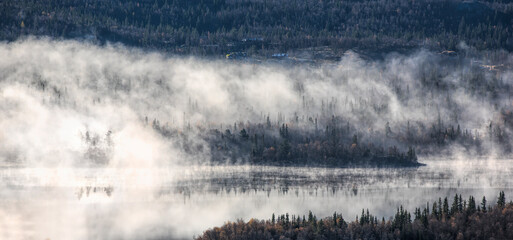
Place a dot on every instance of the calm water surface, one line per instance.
(181, 202)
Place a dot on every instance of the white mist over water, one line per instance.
(79, 161)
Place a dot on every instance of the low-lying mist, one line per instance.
(64, 102)
(78, 119)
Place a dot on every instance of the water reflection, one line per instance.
(179, 202)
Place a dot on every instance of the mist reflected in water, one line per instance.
(180, 202)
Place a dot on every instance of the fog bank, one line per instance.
(66, 106)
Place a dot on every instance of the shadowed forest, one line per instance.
(461, 219)
(265, 27)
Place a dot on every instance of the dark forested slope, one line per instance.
(265, 26)
(461, 219)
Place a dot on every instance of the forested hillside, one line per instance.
(461, 219)
(266, 26)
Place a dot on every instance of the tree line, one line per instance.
(461, 219)
(264, 26)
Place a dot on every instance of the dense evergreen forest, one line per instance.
(301, 144)
(461, 219)
(266, 26)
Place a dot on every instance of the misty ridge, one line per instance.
(68, 103)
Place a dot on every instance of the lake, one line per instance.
(181, 202)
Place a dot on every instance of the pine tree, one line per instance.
(483, 204)
(460, 204)
(501, 201)
(445, 210)
(440, 211)
(471, 205)
(454, 206)
(435, 211)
